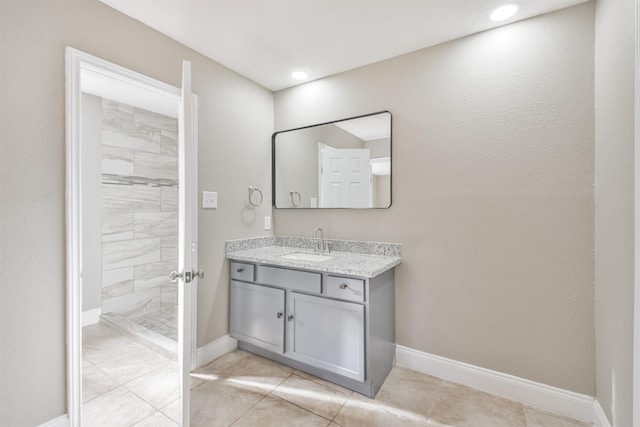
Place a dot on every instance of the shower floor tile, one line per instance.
(163, 322)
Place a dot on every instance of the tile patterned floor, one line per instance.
(126, 384)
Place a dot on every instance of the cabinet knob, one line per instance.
(240, 270)
(279, 315)
(290, 317)
(343, 286)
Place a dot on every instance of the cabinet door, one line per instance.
(327, 334)
(257, 315)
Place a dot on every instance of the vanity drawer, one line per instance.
(306, 281)
(345, 288)
(242, 271)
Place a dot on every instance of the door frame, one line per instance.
(636, 298)
(76, 63)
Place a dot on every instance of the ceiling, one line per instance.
(368, 128)
(265, 40)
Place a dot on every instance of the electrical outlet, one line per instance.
(209, 199)
(267, 223)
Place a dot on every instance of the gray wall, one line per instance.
(614, 206)
(32, 180)
(493, 151)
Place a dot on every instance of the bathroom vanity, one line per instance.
(329, 314)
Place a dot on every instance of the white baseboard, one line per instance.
(599, 417)
(210, 352)
(552, 399)
(61, 421)
(91, 317)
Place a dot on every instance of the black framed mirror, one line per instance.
(341, 164)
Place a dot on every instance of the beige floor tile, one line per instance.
(537, 418)
(124, 360)
(405, 398)
(98, 339)
(157, 419)
(234, 390)
(116, 408)
(217, 403)
(410, 390)
(256, 373)
(211, 371)
(462, 406)
(325, 383)
(359, 411)
(172, 410)
(272, 411)
(97, 331)
(94, 381)
(160, 386)
(314, 397)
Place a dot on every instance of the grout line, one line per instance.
(102, 394)
(158, 411)
(199, 385)
(298, 406)
(305, 409)
(441, 384)
(333, 420)
(245, 412)
(146, 401)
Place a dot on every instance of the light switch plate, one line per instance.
(209, 199)
(267, 223)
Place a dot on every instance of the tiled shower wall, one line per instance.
(139, 209)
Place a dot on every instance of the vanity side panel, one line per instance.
(382, 327)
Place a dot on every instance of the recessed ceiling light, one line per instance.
(299, 75)
(504, 12)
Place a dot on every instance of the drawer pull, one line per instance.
(290, 317)
(240, 270)
(279, 315)
(343, 286)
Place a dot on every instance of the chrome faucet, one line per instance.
(320, 246)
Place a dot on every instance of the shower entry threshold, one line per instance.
(142, 335)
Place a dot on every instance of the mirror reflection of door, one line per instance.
(345, 177)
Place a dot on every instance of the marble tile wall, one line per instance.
(139, 209)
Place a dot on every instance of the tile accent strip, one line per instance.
(108, 178)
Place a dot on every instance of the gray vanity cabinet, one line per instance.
(326, 333)
(339, 328)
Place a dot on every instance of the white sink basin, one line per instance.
(305, 256)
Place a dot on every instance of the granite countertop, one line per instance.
(371, 260)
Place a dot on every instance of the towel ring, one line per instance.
(293, 195)
(251, 198)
